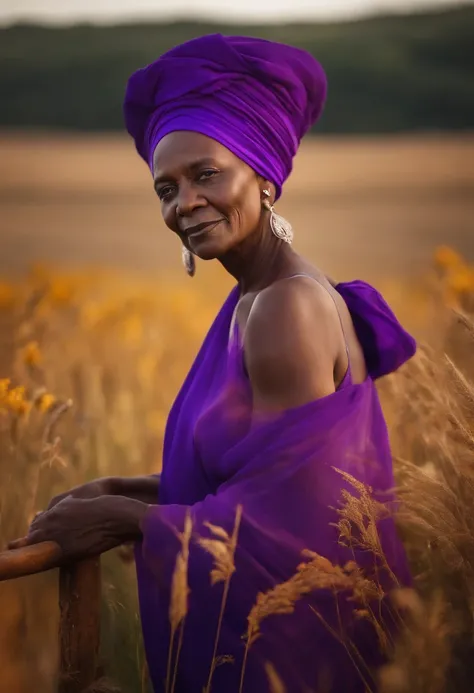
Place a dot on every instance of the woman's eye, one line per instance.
(165, 192)
(208, 173)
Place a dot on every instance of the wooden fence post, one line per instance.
(79, 626)
(79, 604)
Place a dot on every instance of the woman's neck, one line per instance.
(258, 261)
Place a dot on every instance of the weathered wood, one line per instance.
(79, 604)
(79, 628)
(29, 560)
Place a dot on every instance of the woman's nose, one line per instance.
(188, 200)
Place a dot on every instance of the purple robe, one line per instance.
(280, 469)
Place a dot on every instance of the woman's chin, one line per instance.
(210, 249)
(207, 255)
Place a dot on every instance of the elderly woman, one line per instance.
(279, 401)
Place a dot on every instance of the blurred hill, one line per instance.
(386, 74)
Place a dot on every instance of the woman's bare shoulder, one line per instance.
(293, 300)
(292, 340)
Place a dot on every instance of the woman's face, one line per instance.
(209, 197)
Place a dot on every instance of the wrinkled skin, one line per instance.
(94, 517)
(197, 181)
(86, 527)
(92, 489)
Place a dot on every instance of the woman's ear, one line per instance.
(266, 185)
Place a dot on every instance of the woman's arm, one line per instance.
(141, 488)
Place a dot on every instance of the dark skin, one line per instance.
(293, 342)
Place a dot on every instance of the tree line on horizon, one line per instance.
(386, 73)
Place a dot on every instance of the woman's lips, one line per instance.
(204, 229)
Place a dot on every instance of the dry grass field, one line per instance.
(93, 350)
(372, 207)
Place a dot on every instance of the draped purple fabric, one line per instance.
(281, 471)
(257, 98)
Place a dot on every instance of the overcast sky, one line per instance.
(67, 11)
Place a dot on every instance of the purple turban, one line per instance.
(256, 97)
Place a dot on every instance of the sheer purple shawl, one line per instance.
(282, 472)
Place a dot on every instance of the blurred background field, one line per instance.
(360, 206)
(99, 324)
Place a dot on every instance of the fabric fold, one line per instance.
(386, 345)
(258, 98)
(285, 473)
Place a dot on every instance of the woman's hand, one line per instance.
(143, 488)
(92, 489)
(87, 527)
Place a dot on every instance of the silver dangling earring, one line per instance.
(188, 261)
(279, 225)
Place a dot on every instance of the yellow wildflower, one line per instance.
(32, 354)
(447, 258)
(45, 402)
(23, 408)
(4, 385)
(15, 401)
(61, 290)
(461, 281)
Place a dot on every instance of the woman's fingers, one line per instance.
(17, 543)
(57, 499)
(32, 538)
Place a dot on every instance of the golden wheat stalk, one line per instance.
(363, 513)
(179, 599)
(316, 573)
(274, 681)
(222, 548)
